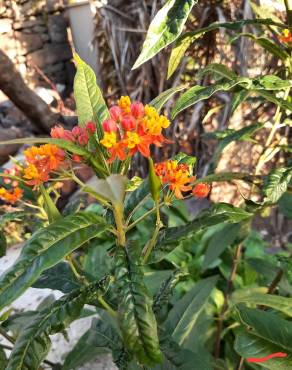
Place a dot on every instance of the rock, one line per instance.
(53, 68)
(7, 150)
(29, 24)
(40, 29)
(5, 25)
(45, 37)
(57, 29)
(54, 5)
(50, 54)
(28, 43)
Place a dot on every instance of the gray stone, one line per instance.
(5, 25)
(54, 5)
(51, 54)
(40, 29)
(57, 28)
(54, 68)
(45, 37)
(28, 24)
(28, 43)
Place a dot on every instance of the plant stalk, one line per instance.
(288, 6)
(119, 219)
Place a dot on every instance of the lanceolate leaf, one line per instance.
(136, 318)
(165, 28)
(183, 316)
(198, 93)
(248, 345)
(184, 41)
(161, 99)
(137, 197)
(279, 303)
(33, 343)
(89, 101)
(3, 359)
(277, 183)
(170, 238)
(45, 249)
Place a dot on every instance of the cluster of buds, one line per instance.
(40, 162)
(286, 37)
(132, 128)
(14, 192)
(179, 179)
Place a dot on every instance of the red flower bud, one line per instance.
(109, 126)
(137, 110)
(76, 158)
(57, 132)
(128, 123)
(115, 113)
(68, 136)
(90, 127)
(77, 130)
(83, 138)
(201, 190)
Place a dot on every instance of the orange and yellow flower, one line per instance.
(41, 161)
(132, 128)
(286, 37)
(176, 175)
(12, 195)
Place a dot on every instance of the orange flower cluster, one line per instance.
(178, 177)
(40, 162)
(11, 195)
(286, 37)
(15, 193)
(132, 128)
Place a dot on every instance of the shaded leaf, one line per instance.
(45, 249)
(137, 197)
(163, 98)
(136, 318)
(276, 184)
(166, 26)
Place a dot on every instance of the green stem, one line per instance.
(133, 224)
(107, 306)
(149, 246)
(79, 277)
(119, 219)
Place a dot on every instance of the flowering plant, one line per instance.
(135, 255)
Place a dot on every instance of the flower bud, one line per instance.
(137, 110)
(201, 190)
(57, 132)
(83, 138)
(115, 113)
(128, 123)
(76, 158)
(68, 136)
(90, 127)
(109, 126)
(77, 130)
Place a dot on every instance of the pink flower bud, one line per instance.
(57, 132)
(83, 138)
(115, 113)
(77, 130)
(109, 125)
(15, 183)
(128, 123)
(68, 136)
(7, 180)
(137, 110)
(90, 127)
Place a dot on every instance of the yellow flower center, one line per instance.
(109, 139)
(125, 103)
(133, 139)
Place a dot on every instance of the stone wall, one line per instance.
(34, 33)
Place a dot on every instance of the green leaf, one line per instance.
(285, 205)
(238, 98)
(170, 238)
(33, 343)
(185, 40)
(268, 326)
(137, 197)
(162, 98)
(270, 82)
(49, 206)
(183, 316)
(3, 359)
(3, 244)
(277, 184)
(219, 242)
(161, 299)
(89, 101)
(279, 303)
(217, 71)
(45, 249)
(112, 189)
(59, 277)
(198, 93)
(241, 134)
(273, 99)
(165, 28)
(136, 318)
(248, 345)
(154, 182)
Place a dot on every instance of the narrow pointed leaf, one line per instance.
(45, 249)
(166, 26)
(136, 318)
(163, 98)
